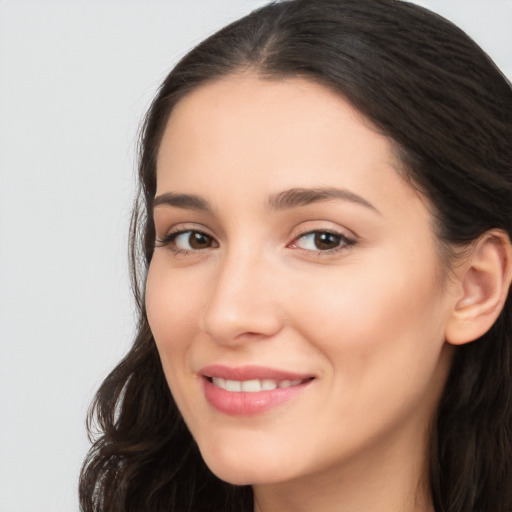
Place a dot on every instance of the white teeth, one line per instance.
(254, 385)
(220, 383)
(268, 384)
(233, 385)
(251, 386)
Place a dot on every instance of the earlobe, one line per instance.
(484, 280)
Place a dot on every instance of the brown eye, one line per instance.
(319, 241)
(198, 240)
(326, 241)
(189, 241)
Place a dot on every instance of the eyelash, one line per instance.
(169, 241)
(344, 242)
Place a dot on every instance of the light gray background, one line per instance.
(75, 79)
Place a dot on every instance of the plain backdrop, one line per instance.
(75, 79)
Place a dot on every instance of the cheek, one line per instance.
(172, 306)
(373, 323)
(382, 338)
(173, 309)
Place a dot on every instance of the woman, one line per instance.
(324, 226)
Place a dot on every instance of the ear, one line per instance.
(483, 282)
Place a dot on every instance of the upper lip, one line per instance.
(251, 372)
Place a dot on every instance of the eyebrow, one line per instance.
(285, 200)
(186, 201)
(303, 196)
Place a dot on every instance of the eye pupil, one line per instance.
(199, 240)
(326, 240)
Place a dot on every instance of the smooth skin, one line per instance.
(347, 287)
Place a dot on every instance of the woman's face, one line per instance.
(295, 294)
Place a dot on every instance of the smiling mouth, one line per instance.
(255, 385)
(251, 390)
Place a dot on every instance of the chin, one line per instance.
(238, 469)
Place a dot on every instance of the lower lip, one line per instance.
(249, 404)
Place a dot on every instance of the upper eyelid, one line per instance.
(348, 238)
(178, 229)
(169, 239)
(322, 230)
(301, 230)
(343, 236)
(183, 227)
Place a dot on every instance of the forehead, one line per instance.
(274, 104)
(246, 113)
(244, 134)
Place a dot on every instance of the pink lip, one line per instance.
(247, 403)
(250, 372)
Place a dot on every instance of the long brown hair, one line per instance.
(432, 90)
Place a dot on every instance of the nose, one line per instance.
(244, 302)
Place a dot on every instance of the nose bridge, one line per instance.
(243, 300)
